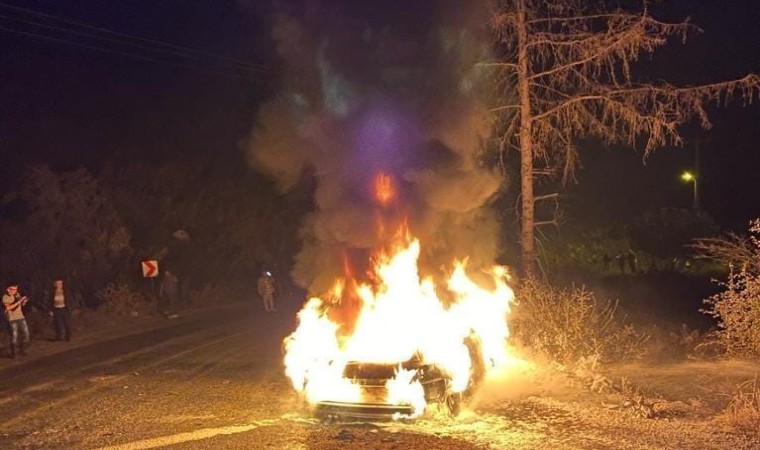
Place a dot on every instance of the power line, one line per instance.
(127, 54)
(115, 40)
(136, 37)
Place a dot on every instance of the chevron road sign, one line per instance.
(150, 268)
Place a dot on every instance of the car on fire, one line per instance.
(372, 379)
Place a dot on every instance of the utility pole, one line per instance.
(697, 173)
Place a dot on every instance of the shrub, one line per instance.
(120, 299)
(738, 312)
(738, 307)
(570, 325)
(743, 410)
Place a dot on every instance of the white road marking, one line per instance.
(189, 436)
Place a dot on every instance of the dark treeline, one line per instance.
(209, 220)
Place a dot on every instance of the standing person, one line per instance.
(59, 309)
(266, 290)
(168, 293)
(621, 259)
(633, 264)
(13, 303)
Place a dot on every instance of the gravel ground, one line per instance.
(214, 380)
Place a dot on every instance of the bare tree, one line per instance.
(565, 71)
(733, 250)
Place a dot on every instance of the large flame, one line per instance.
(393, 318)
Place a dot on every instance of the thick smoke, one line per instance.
(381, 86)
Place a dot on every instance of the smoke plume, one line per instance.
(389, 87)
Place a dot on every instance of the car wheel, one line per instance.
(454, 403)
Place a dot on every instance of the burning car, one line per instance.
(388, 347)
(373, 379)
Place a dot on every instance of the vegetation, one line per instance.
(743, 410)
(62, 225)
(210, 222)
(571, 325)
(565, 71)
(738, 307)
(658, 241)
(122, 300)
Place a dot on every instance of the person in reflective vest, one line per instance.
(266, 290)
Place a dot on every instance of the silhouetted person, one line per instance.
(60, 300)
(633, 265)
(621, 260)
(13, 303)
(168, 293)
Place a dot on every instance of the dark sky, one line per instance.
(69, 105)
(618, 184)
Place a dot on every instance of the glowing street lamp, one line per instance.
(690, 177)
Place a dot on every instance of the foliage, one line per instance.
(738, 312)
(207, 221)
(584, 249)
(121, 299)
(232, 222)
(571, 325)
(665, 234)
(565, 71)
(659, 240)
(743, 410)
(731, 250)
(738, 307)
(67, 227)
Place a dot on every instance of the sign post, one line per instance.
(150, 270)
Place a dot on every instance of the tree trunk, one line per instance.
(527, 219)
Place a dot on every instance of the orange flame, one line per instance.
(384, 189)
(394, 318)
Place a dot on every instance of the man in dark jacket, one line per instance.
(168, 294)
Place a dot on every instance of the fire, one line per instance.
(384, 189)
(399, 317)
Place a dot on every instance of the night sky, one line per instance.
(68, 105)
(729, 154)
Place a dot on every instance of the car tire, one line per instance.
(454, 403)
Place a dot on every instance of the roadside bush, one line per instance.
(120, 299)
(572, 325)
(213, 294)
(743, 410)
(738, 312)
(738, 307)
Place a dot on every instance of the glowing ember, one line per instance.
(396, 318)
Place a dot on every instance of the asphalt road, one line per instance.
(214, 380)
(210, 380)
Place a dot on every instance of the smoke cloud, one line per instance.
(389, 87)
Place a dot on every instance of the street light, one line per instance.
(690, 177)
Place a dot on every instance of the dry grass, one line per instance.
(569, 326)
(743, 410)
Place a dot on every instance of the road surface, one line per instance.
(214, 380)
